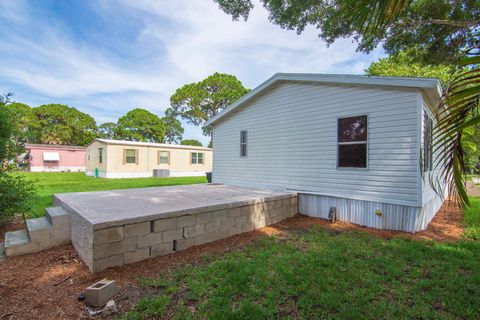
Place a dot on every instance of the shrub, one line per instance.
(17, 195)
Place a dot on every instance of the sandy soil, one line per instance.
(46, 285)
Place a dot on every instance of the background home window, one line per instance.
(352, 142)
(243, 143)
(163, 157)
(100, 155)
(197, 158)
(130, 156)
(427, 142)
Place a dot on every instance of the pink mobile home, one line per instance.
(45, 157)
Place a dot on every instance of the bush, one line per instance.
(17, 195)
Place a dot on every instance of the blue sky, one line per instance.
(106, 57)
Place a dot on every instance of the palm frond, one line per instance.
(458, 111)
(371, 16)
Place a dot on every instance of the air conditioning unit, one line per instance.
(161, 173)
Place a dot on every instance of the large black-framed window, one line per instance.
(352, 139)
(243, 143)
(427, 142)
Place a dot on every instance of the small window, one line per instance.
(100, 155)
(131, 156)
(197, 158)
(163, 157)
(352, 142)
(243, 143)
(427, 142)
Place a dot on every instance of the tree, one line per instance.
(191, 142)
(140, 125)
(61, 124)
(26, 122)
(16, 192)
(107, 130)
(173, 127)
(7, 148)
(402, 64)
(436, 28)
(199, 101)
(439, 32)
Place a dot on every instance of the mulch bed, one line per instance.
(46, 285)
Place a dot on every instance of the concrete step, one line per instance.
(60, 220)
(57, 216)
(39, 230)
(18, 243)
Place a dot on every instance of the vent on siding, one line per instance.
(332, 214)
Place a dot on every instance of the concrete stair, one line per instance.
(40, 234)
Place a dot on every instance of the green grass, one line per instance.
(472, 219)
(319, 274)
(49, 183)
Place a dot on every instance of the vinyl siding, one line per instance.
(292, 142)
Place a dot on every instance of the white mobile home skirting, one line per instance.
(393, 217)
(56, 169)
(119, 175)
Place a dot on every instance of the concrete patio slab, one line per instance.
(113, 228)
(119, 207)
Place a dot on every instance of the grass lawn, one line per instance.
(319, 274)
(472, 219)
(49, 183)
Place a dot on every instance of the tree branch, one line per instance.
(459, 24)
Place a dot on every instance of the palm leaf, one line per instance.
(458, 111)
(371, 16)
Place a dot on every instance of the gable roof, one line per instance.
(429, 85)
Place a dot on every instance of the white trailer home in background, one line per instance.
(356, 143)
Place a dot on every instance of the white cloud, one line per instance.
(176, 42)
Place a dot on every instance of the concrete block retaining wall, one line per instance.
(116, 246)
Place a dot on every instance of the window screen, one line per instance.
(352, 142)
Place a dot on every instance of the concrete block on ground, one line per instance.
(99, 293)
(137, 229)
(108, 235)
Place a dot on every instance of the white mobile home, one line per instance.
(108, 158)
(358, 144)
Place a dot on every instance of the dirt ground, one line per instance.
(46, 285)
